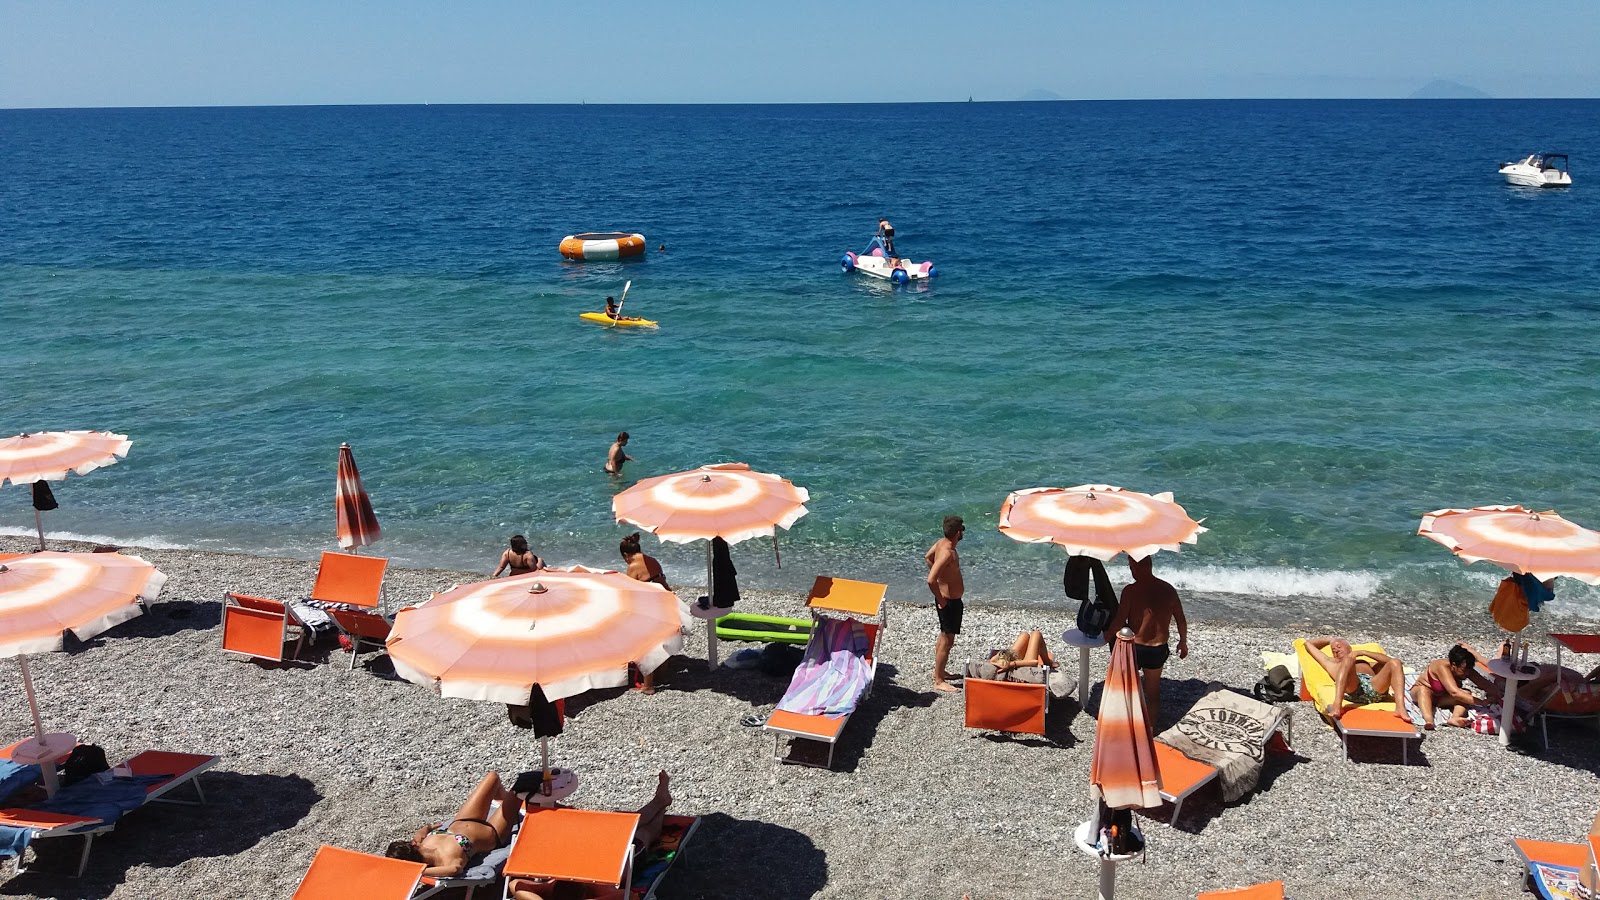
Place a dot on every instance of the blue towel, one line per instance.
(1535, 591)
(14, 840)
(104, 800)
(14, 777)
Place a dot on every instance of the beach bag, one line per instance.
(1510, 606)
(780, 660)
(1094, 615)
(1117, 826)
(83, 761)
(1277, 686)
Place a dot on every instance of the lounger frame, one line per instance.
(1358, 721)
(1283, 724)
(247, 620)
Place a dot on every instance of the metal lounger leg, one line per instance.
(83, 861)
(198, 791)
(1177, 807)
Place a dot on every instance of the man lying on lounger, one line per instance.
(1359, 677)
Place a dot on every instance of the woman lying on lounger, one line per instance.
(651, 817)
(483, 824)
(1027, 650)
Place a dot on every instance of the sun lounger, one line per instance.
(1372, 720)
(574, 845)
(177, 768)
(1237, 716)
(339, 874)
(350, 580)
(838, 595)
(1272, 890)
(259, 628)
(1553, 866)
(1009, 706)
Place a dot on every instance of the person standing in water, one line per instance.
(518, 558)
(944, 581)
(615, 457)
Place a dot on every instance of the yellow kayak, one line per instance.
(604, 319)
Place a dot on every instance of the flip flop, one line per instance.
(752, 721)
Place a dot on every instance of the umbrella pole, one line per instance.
(38, 522)
(775, 557)
(1108, 880)
(544, 756)
(33, 702)
(711, 602)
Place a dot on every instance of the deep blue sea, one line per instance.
(1312, 321)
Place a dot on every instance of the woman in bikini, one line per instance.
(1027, 650)
(1444, 685)
(483, 824)
(519, 559)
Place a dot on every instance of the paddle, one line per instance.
(625, 286)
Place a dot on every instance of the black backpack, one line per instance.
(1277, 686)
(83, 761)
(1096, 614)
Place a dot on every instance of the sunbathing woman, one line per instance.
(651, 817)
(1027, 650)
(1443, 683)
(478, 828)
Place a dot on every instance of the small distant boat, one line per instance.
(1538, 170)
(876, 261)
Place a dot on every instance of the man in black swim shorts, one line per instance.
(944, 580)
(1150, 607)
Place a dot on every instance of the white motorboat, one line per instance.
(1538, 170)
(879, 263)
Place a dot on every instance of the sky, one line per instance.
(92, 53)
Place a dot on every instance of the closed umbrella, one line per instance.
(1098, 520)
(43, 595)
(357, 525)
(50, 455)
(727, 501)
(1123, 773)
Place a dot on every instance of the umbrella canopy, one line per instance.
(1098, 520)
(50, 455)
(43, 595)
(727, 501)
(357, 524)
(566, 630)
(1541, 544)
(1123, 771)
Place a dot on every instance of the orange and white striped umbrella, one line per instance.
(727, 501)
(50, 455)
(1123, 770)
(45, 594)
(567, 630)
(1541, 544)
(1098, 520)
(357, 524)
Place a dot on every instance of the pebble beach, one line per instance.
(916, 806)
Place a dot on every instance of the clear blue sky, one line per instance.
(223, 52)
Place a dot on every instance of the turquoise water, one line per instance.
(1369, 327)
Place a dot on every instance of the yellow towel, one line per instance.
(1319, 684)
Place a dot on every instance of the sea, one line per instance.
(1312, 321)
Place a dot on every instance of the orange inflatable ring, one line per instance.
(607, 245)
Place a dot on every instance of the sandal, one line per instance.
(753, 721)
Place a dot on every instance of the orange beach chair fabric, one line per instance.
(574, 845)
(1272, 890)
(339, 874)
(1005, 706)
(258, 628)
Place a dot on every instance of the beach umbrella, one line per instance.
(50, 455)
(1541, 544)
(357, 525)
(726, 501)
(45, 594)
(1097, 520)
(566, 630)
(1123, 772)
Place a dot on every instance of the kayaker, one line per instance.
(611, 307)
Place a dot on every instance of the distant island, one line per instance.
(1439, 89)
(1041, 94)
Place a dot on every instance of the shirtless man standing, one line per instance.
(1360, 676)
(1149, 606)
(615, 457)
(944, 580)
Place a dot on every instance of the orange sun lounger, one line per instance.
(339, 874)
(258, 627)
(855, 598)
(1374, 720)
(574, 845)
(1182, 776)
(1272, 890)
(181, 768)
(1008, 706)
